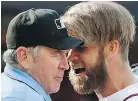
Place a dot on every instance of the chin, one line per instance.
(51, 90)
(55, 89)
(82, 89)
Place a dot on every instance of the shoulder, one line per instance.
(13, 90)
(11, 99)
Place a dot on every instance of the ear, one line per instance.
(111, 49)
(22, 56)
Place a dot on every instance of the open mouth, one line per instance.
(79, 70)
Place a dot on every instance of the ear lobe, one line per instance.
(22, 56)
(111, 49)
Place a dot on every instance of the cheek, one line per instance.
(49, 66)
(89, 59)
(49, 61)
(45, 66)
(86, 60)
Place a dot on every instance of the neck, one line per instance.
(117, 79)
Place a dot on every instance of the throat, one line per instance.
(105, 89)
(110, 86)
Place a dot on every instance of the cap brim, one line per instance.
(65, 43)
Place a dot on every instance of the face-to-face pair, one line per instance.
(47, 67)
(88, 69)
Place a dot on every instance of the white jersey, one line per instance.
(124, 93)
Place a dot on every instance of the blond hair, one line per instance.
(101, 22)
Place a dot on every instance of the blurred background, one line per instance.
(66, 93)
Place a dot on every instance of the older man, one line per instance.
(37, 43)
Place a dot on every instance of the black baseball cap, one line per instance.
(39, 27)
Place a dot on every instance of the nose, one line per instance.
(72, 55)
(64, 63)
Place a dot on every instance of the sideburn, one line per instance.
(98, 74)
